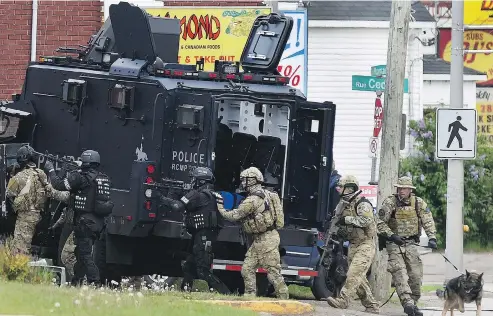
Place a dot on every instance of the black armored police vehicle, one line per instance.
(153, 121)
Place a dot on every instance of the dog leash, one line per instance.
(393, 292)
(402, 254)
(446, 259)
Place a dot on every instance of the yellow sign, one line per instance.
(475, 40)
(478, 12)
(211, 33)
(484, 107)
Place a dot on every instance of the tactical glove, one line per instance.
(49, 166)
(341, 221)
(219, 198)
(432, 243)
(396, 239)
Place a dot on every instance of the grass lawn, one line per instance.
(26, 299)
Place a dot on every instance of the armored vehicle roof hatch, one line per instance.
(266, 42)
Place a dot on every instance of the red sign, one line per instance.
(378, 117)
(473, 40)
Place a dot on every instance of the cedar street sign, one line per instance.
(372, 83)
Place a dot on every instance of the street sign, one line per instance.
(369, 83)
(378, 117)
(456, 133)
(379, 71)
(373, 146)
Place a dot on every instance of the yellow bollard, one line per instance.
(466, 228)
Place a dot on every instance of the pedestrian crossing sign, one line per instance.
(456, 133)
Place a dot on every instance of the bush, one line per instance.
(15, 266)
(430, 178)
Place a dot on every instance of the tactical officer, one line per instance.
(67, 255)
(91, 204)
(400, 220)
(354, 215)
(28, 190)
(255, 213)
(202, 221)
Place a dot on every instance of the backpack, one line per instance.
(275, 206)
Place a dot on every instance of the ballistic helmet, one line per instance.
(25, 154)
(201, 176)
(89, 157)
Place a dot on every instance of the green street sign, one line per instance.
(369, 83)
(379, 71)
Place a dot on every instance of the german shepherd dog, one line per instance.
(466, 288)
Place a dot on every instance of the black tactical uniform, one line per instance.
(202, 221)
(91, 204)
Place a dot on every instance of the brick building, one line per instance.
(59, 23)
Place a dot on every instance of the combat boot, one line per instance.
(417, 311)
(337, 302)
(372, 310)
(412, 310)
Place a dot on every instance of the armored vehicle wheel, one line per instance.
(322, 286)
(159, 280)
(233, 280)
(264, 288)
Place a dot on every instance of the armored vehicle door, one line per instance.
(310, 163)
(192, 133)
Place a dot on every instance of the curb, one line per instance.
(273, 307)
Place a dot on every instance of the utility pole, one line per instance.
(275, 6)
(455, 172)
(391, 130)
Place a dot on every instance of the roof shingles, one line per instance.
(438, 66)
(361, 11)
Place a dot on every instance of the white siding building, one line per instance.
(436, 84)
(347, 38)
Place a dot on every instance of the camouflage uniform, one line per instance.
(29, 189)
(358, 223)
(264, 251)
(67, 255)
(401, 220)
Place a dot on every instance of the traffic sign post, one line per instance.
(373, 147)
(376, 83)
(456, 133)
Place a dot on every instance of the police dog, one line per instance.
(466, 288)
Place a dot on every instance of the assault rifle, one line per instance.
(175, 189)
(61, 160)
(169, 184)
(333, 229)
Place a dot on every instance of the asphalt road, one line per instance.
(434, 267)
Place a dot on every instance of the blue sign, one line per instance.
(294, 60)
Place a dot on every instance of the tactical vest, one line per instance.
(94, 198)
(262, 219)
(206, 215)
(33, 194)
(356, 235)
(404, 220)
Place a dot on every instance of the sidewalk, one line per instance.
(487, 309)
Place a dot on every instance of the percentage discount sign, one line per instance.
(294, 77)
